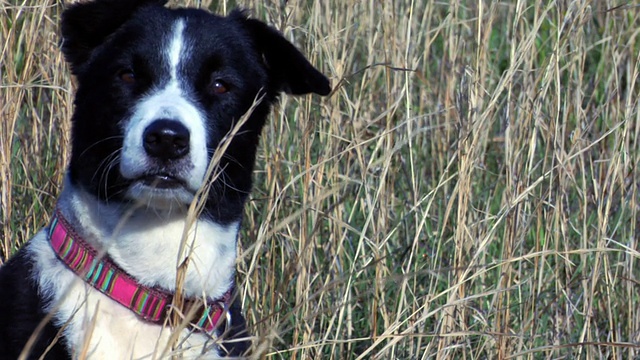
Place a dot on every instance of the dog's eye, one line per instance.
(127, 76)
(219, 87)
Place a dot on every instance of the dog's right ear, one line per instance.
(86, 25)
(288, 69)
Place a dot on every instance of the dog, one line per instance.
(138, 260)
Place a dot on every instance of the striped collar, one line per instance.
(150, 304)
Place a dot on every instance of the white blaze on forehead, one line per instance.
(175, 49)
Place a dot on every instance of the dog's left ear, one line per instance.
(288, 68)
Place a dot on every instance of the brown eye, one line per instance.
(219, 87)
(127, 76)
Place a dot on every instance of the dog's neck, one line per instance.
(150, 245)
(151, 304)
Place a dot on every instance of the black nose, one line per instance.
(166, 139)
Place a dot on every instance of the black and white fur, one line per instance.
(158, 90)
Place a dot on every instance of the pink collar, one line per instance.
(151, 304)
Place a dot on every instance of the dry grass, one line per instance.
(469, 190)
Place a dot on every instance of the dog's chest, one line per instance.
(150, 247)
(102, 329)
(97, 327)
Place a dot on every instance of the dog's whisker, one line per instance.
(105, 165)
(100, 142)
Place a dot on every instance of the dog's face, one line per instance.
(159, 89)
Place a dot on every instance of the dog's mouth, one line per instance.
(160, 190)
(162, 181)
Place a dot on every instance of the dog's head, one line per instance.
(158, 91)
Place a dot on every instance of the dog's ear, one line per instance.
(288, 69)
(86, 25)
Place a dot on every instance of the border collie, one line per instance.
(138, 260)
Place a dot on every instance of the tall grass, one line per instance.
(468, 191)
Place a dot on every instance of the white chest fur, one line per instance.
(147, 247)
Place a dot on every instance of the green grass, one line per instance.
(469, 190)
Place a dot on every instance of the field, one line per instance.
(470, 189)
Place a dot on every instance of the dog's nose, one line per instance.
(166, 139)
